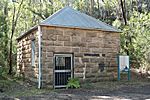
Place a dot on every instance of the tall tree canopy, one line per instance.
(131, 16)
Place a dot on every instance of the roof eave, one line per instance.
(88, 28)
(27, 32)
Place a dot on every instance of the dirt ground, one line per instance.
(136, 89)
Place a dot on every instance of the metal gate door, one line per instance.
(63, 69)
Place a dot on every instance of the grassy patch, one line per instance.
(29, 92)
(87, 86)
(17, 88)
(6, 84)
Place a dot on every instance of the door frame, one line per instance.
(72, 66)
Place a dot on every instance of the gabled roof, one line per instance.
(68, 17)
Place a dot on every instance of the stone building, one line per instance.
(68, 44)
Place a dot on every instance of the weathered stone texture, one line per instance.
(101, 46)
(81, 42)
(24, 67)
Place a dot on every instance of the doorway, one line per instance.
(63, 69)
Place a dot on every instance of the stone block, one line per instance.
(49, 54)
(78, 44)
(85, 60)
(44, 36)
(43, 49)
(27, 55)
(77, 54)
(55, 31)
(58, 31)
(78, 75)
(75, 49)
(112, 69)
(107, 45)
(76, 38)
(107, 50)
(44, 55)
(84, 49)
(73, 32)
(96, 50)
(97, 39)
(52, 37)
(47, 60)
(78, 60)
(67, 43)
(58, 43)
(91, 65)
(50, 65)
(93, 45)
(78, 70)
(86, 39)
(117, 35)
(94, 70)
(64, 38)
(50, 49)
(78, 65)
(47, 43)
(100, 34)
(91, 34)
(63, 49)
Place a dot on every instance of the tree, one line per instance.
(15, 17)
(18, 16)
(123, 11)
(4, 33)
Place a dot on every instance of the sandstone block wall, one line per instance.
(89, 47)
(24, 67)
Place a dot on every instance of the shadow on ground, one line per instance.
(136, 89)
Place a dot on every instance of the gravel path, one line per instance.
(124, 93)
(115, 91)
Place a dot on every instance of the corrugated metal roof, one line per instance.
(69, 17)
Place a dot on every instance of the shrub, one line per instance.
(73, 83)
(3, 72)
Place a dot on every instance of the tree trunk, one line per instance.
(123, 12)
(148, 5)
(10, 45)
(10, 58)
(6, 34)
(91, 7)
(98, 9)
(14, 23)
(139, 6)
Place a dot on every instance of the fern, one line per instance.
(73, 83)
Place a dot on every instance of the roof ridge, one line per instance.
(70, 17)
(54, 15)
(92, 18)
(99, 21)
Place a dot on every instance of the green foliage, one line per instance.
(4, 38)
(136, 38)
(3, 72)
(117, 23)
(73, 83)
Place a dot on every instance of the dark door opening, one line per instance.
(62, 70)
